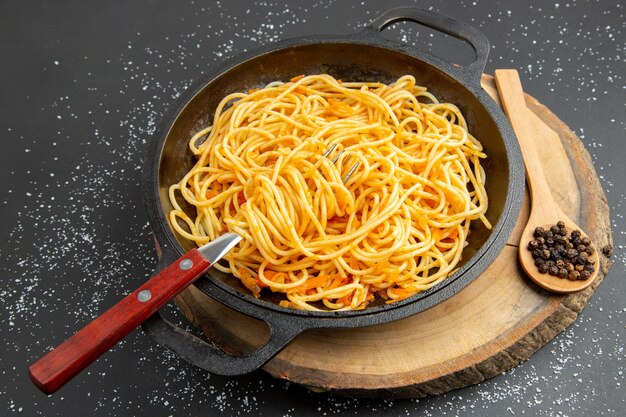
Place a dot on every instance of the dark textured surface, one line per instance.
(82, 88)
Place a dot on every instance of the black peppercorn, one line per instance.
(573, 276)
(571, 253)
(561, 254)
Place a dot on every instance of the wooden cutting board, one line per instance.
(492, 325)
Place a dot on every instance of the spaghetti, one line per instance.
(396, 227)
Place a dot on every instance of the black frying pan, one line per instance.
(364, 56)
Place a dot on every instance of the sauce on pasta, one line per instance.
(396, 227)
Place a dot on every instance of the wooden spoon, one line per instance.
(545, 212)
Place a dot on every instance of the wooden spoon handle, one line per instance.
(514, 104)
(63, 363)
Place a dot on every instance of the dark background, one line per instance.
(83, 85)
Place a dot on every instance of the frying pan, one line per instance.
(363, 56)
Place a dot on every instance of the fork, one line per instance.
(352, 169)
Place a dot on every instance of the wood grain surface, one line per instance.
(492, 325)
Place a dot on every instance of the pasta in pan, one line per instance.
(396, 226)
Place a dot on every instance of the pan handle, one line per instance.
(452, 27)
(210, 358)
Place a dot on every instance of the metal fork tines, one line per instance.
(352, 169)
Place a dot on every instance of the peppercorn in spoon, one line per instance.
(551, 244)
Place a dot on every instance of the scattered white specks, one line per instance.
(78, 238)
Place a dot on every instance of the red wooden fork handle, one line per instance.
(63, 363)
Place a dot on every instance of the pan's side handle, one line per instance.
(452, 27)
(202, 354)
(212, 359)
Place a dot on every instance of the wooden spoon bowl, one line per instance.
(545, 212)
(547, 281)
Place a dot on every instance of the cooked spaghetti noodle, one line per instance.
(396, 227)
